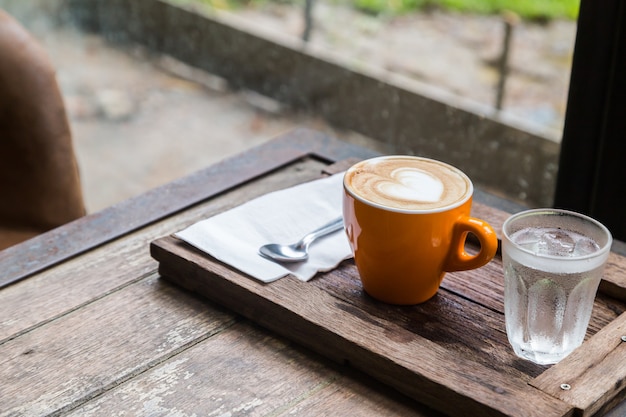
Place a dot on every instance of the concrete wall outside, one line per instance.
(506, 156)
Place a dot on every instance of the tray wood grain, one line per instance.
(450, 353)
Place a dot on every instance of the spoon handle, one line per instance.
(323, 231)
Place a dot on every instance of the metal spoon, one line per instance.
(298, 252)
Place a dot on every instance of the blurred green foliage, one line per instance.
(526, 9)
(540, 10)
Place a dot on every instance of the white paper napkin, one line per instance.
(285, 216)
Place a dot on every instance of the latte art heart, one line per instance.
(408, 183)
(412, 184)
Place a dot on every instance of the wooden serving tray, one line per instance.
(450, 353)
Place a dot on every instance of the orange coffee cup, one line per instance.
(407, 219)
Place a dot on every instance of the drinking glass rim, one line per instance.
(603, 249)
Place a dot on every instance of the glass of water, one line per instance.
(553, 262)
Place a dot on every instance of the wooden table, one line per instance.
(88, 326)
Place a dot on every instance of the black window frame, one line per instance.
(592, 162)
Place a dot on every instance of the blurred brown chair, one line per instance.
(39, 180)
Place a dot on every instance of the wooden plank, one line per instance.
(447, 319)
(485, 286)
(94, 274)
(48, 249)
(450, 317)
(614, 279)
(311, 316)
(359, 398)
(82, 283)
(87, 351)
(595, 373)
(243, 370)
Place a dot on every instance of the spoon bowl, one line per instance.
(299, 251)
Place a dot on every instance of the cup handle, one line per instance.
(458, 258)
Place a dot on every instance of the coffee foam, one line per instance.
(408, 183)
